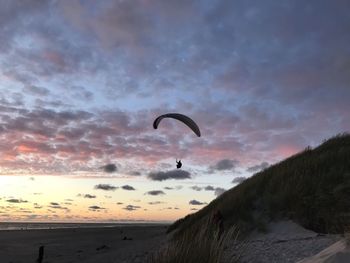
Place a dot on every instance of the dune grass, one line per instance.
(312, 188)
(347, 236)
(199, 245)
(347, 239)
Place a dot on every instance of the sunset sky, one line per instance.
(82, 81)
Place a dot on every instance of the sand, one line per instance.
(285, 242)
(82, 245)
(336, 253)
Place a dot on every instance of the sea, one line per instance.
(40, 225)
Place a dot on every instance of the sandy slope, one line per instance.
(81, 245)
(336, 253)
(285, 242)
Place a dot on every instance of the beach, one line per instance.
(109, 245)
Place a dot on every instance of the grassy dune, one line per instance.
(312, 188)
(205, 246)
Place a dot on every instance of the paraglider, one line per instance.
(183, 118)
(180, 117)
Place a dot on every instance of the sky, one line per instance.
(82, 81)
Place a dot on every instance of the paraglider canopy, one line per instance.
(183, 118)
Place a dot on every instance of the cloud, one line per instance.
(223, 165)
(178, 187)
(195, 202)
(196, 188)
(173, 174)
(209, 188)
(128, 187)
(59, 207)
(131, 207)
(296, 80)
(24, 210)
(89, 196)
(135, 173)
(258, 167)
(37, 206)
(119, 203)
(81, 92)
(106, 187)
(219, 191)
(95, 208)
(238, 179)
(13, 200)
(63, 136)
(39, 91)
(56, 205)
(155, 192)
(109, 168)
(155, 203)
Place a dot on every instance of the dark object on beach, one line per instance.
(127, 238)
(41, 254)
(102, 247)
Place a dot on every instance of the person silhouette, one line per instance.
(178, 164)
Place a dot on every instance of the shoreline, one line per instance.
(14, 226)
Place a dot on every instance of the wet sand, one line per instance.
(82, 244)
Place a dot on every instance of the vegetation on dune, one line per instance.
(205, 246)
(312, 188)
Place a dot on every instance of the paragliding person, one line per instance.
(184, 119)
(178, 164)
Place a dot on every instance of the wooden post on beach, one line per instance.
(41, 254)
